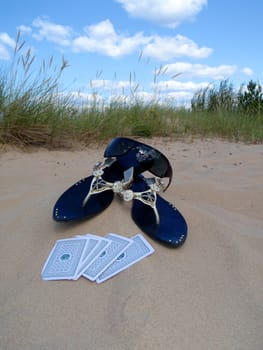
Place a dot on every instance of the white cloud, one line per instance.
(55, 33)
(173, 85)
(111, 85)
(170, 89)
(247, 71)
(180, 95)
(86, 97)
(200, 70)
(166, 48)
(102, 38)
(178, 92)
(4, 54)
(144, 97)
(24, 29)
(168, 13)
(101, 30)
(5, 42)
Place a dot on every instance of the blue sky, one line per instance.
(155, 48)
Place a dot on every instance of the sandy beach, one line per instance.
(208, 294)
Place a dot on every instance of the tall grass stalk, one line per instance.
(30, 102)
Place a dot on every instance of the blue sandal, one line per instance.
(154, 215)
(91, 195)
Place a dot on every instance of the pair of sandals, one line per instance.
(121, 173)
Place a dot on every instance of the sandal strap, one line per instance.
(98, 184)
(155, 183)
(148, 197)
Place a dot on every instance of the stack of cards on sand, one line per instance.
(93, 257)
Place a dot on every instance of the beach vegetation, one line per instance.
(35, 111)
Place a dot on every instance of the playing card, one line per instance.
(94, 247)
(117, 245)
(63, 260)
(138, 250)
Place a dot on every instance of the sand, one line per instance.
(208, 294)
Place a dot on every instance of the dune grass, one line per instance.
(34, 111)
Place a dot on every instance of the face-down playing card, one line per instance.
(63, 260)
(94, 248)
(138, 250)
(94, 257)
(117, 245)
